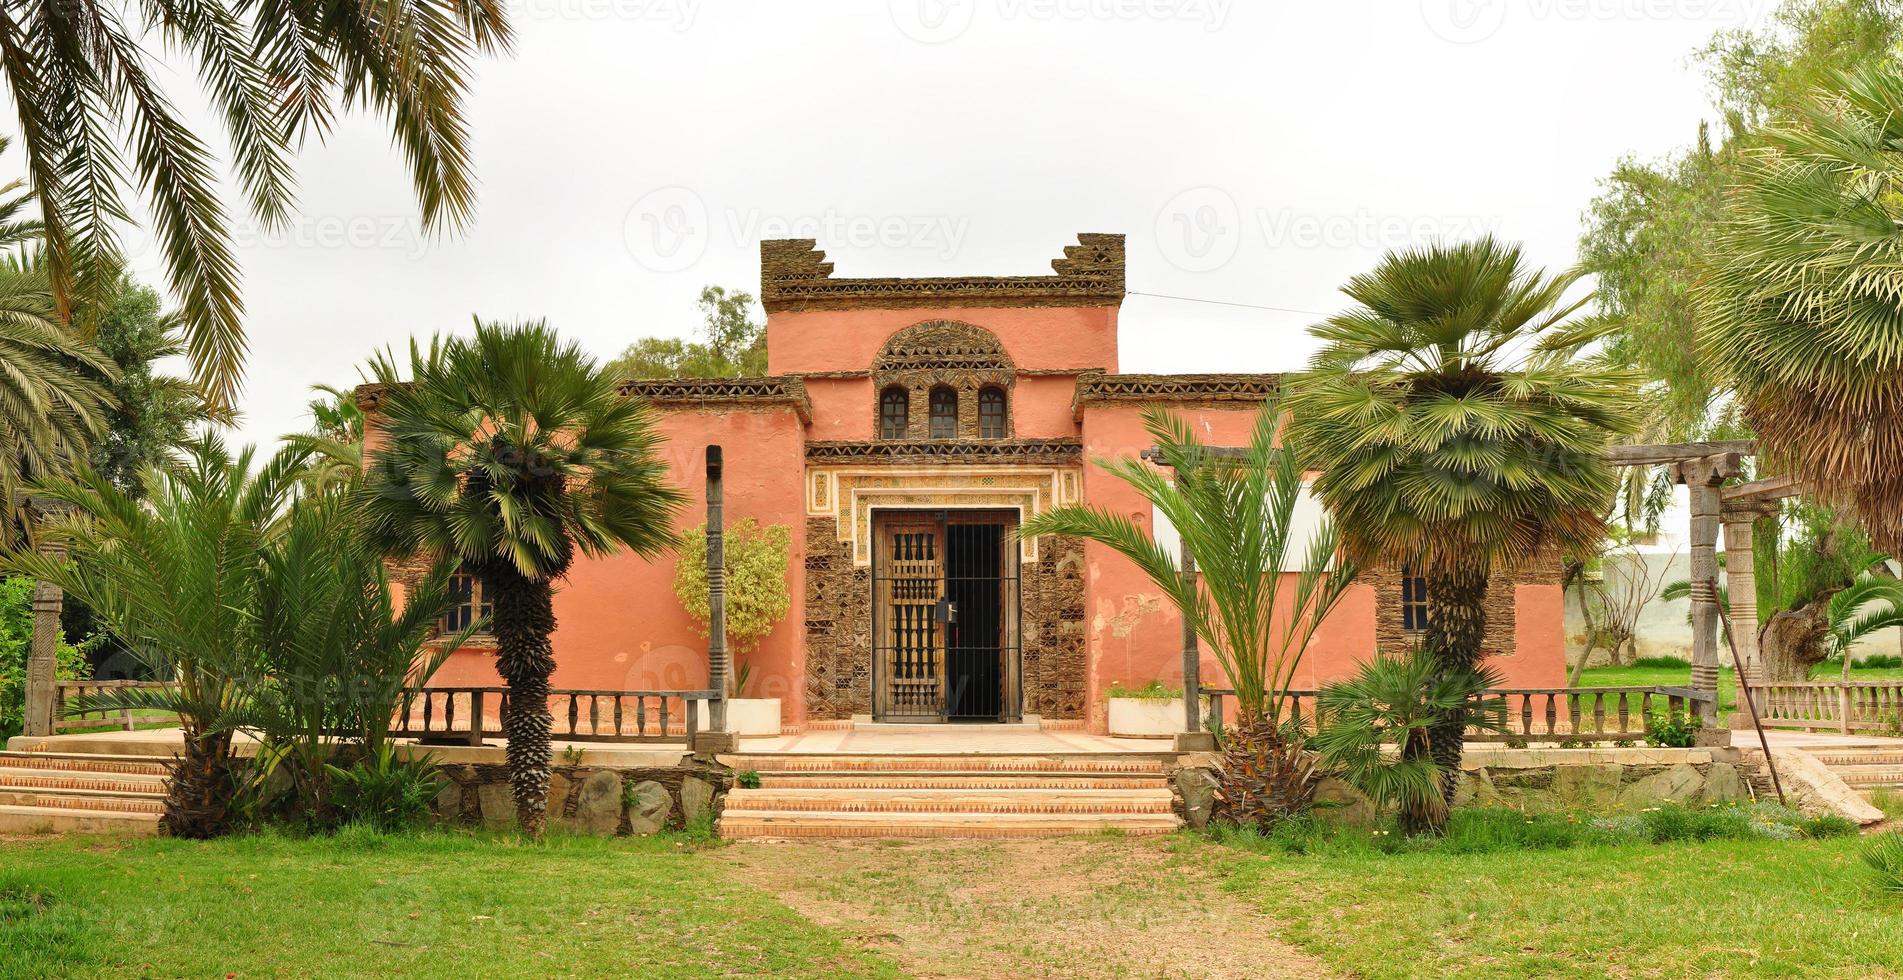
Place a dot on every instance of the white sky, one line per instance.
(632, 151)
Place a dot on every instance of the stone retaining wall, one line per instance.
(594, 800)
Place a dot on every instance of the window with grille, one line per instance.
(894, 407)
(1413, 601)
(944, 413)
(465, 592)
(991, 414)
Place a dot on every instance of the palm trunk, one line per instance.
(523, 620)
(1456, 628)
(198, 796)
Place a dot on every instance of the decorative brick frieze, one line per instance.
(1176, 390)
(774, 392)
(794, 276)
(1045, 452)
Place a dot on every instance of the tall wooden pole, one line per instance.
(42, 665)
(1192, 656)
(718, 669)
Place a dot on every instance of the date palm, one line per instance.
(1259, 596)
(96, 122)
(510, 451)
(1459, 427)
(1804, 306)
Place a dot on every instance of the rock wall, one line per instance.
(595, 800)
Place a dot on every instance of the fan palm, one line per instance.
(96, 121)
(1403, 701)
(1804, 305)
(176, 578)
(508, 452)
(1458, 427)
(1236, 517)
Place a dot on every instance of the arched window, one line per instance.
(991, 413)
(944, 413)
(894, 407)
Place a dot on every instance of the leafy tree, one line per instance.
(733, 344)
(176, 577)
(1801, 311)
(96, 122)
(508, 452)
(16, 642)
(151, 415)
(1459, 428)
(1403, 701)
(1236, 519)
(757, 598)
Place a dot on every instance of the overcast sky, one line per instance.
(632, 151)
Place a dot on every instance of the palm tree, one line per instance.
(1458, 427)
(176, 577)
(1236, 519)
(1803, 308)
(508, 452)
(52, 404)
(1401, 700)
(96, 122)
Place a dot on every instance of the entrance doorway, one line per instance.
(945, 617)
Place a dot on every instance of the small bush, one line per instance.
(747, 779)
(384, 792)
(1879, 660)
(1671, 731)
(1153, 691)
(1884, 857)
(1678, 823)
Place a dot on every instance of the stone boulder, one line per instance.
(697, 798)
(497, 805)
(1679, 784)
(1197, 789)
(648, 805)
(598, 805)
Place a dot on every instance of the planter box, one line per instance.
(1146, 717)
(753, 717)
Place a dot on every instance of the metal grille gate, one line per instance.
(945, 618)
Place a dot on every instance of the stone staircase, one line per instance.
(1866, 768)
(47, 792)
(845, 795)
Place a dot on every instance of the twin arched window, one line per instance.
(895, 407)
(944, 413)
(990, 413)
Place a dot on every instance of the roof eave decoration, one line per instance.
(1246, 390)
(700, 393)
(795, 276)
(1046, 451)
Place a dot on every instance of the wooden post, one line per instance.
(1703, 477)
(42, 663)
(718, 670)
(1741, 582)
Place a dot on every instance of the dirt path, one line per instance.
(1071, 907)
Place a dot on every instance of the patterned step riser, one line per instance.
(1840, 761)
(69, 764)
(910, 764)
(47, 782)
(924, 781)
(977, 807)
(1871, 781)
(741, 829)
(102, 804)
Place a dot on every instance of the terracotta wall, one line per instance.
(619, 626)
(1037, 338)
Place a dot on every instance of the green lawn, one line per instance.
(438, 905)
(468, 906)
(1718, 909)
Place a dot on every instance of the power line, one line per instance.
(1225, 302)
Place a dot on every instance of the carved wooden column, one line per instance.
(42, 665)
(1703, 477)
(718, 738)
(1741, 581)
(1193, 738)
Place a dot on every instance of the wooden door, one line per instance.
(908, 641)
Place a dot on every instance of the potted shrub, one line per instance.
(1150, 711)
(757, 600)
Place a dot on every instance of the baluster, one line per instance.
(1672, 706)
(1625, 713)
(429, 709)
(618, 700)
(640, 714)
(572, 708)
(664, 716)
(1572, 712)
(1552, 714)
(1599, 712)
(449, 711)
(594, 714)
(475, 717)
(1526, 714)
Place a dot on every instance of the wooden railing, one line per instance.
(460, 715)
(1562, 714)
(471, 714)
(1831, 705)
(125, 719)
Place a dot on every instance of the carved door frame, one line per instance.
(906, 633)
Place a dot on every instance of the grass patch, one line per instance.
(368, 904)
(1718, 908)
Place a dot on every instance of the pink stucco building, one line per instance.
(906, 427)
